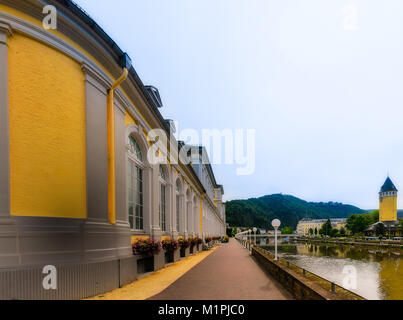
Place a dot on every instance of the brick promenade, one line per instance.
(229, 273)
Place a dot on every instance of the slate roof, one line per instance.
(388, 186)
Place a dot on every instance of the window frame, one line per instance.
(162, 207)
(135, 161)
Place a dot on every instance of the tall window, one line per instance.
(162, 200)
(178, 199)
(135, 185)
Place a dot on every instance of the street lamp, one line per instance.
(275, 223)
(254, 231)
(250, 236)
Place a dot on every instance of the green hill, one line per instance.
(260, 212)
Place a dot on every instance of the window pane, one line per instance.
(177, 212)
(135, 149)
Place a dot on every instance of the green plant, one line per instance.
(183, 243)
(170, 245)
(380, 229)
(146, 247)
(290, 230)
(195, 241)
(226, 239)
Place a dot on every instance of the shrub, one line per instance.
(183, 244)
(191, 241)
(195, 241)
(208, 239)
(199, 240)
(146, 247)
(226, 239)
(170, 245)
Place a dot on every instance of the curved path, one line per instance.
(229, 273)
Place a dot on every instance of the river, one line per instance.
(379, 272)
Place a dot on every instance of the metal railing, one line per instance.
(322, 282)
(386, 243)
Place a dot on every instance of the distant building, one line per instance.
(387, 211)
(306, 224)
(388, 202)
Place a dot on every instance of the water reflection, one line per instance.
(379, 271)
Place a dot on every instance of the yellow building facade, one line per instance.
(77, 185)
(305, 225)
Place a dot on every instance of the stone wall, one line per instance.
(299, 286)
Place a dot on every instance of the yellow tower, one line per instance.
(388, 201)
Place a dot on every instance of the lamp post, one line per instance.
(250, 234)
(275, 223)
(254, 231)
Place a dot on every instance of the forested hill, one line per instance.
(260, 212)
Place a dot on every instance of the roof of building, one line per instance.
(333, 220)
(388, 186)
(387, 224)
(206, 161)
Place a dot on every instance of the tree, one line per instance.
(400, 226)
(334, 232)
(316, 231)
(342, 231)
(326, 228)
(380, 229)
(287, 230)
(358, 223)
(310, 231)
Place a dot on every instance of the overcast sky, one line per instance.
(321, 82)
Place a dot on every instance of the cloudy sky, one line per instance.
(321, 82)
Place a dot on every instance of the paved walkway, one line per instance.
(229, 273)
(155, 282)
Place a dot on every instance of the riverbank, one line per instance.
(376, 271)
(354, 242)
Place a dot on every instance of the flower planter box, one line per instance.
(184, 252)
(169, 256)
(145, 264)
(170, 248)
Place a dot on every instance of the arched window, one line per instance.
(162, 206)
(178, 199)
(135, 149)
(135, 185)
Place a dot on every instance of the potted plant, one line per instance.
(146, 247)
(184, 244)
(170, 246)
(196, 242)
(192, 242)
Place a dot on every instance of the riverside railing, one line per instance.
(352, 241)
(322, 282)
